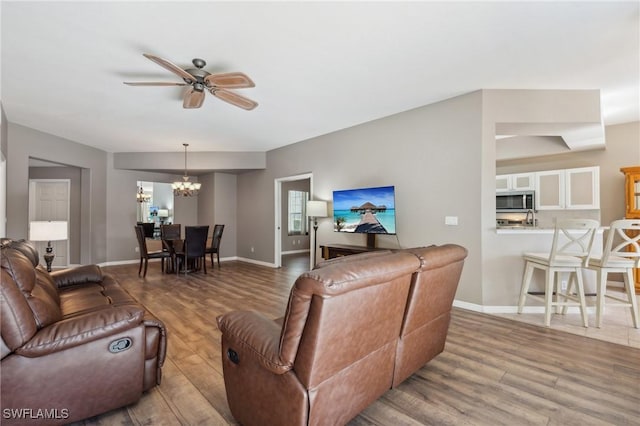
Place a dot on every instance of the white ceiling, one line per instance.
(318, 67)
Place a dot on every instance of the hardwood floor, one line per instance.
(493, 370)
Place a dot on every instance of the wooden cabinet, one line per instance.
(515, 182)
(632, 203)
(632, 191)
(571, 189)
(338, 250)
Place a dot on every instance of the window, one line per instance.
(297, 214)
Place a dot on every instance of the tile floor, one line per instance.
(617, 325)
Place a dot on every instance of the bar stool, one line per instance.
(622, 258)
(570, 252)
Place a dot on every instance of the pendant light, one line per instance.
(141, 197)
(185, 188)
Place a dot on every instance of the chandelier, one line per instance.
(185, 188)
(141, 197)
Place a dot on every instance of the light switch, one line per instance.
(451, 220)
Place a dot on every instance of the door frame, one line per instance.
(277, 261)
(32, 204)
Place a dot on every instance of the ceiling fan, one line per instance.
(200, 80)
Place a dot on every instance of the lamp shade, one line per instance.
(163, 213)
(53, 230)
(317, 208)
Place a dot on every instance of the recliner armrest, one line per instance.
(258, 334)
(82, 329)
(80, 275)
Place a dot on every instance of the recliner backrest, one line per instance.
(428, 311)
(340, 313)
(28, 303)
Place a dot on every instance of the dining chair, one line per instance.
(171, 232)
(149, 228)
(195, 243)
(570, 252)
(215, 243)
(622, 257)
(145, 255)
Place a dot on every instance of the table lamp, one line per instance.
(163, 214)
(316, 209)
(53, 230)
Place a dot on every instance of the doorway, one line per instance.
(280, 233)
(49, 199)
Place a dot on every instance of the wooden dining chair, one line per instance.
(145, 255)
(195, 243)
(171, 232)
(215, 243)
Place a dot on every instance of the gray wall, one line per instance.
(4, 126)
(431, 156)
(23, 143)
(225, 212)
(74, 175)
(217, 205)
(122, 205)
(4, 131)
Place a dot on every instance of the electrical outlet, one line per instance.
(252, 250)
(451, 220)
(563, 285)
(137, 249)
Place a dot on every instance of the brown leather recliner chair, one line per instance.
(428, 311)
(345, 333)
(74, 343)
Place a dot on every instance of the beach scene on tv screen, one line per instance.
(366, 210)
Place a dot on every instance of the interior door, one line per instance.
(49, 200)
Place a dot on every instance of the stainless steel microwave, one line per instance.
(515, 201)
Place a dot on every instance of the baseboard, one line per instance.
(129, 262)
(255, 262)
(513, 309)
(296, 251)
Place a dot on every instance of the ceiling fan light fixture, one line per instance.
(185, 188)
(200, 79)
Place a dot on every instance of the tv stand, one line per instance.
(371, 241)
(331, 251)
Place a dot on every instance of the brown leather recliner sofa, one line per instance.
(354, 327)
(74, 343)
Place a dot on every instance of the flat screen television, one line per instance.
(365, 210)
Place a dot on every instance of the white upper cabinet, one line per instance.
(550, 189)
(583, 188)
(515, 182)
(577, 189)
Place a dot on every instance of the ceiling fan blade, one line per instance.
(169, 66)
(153, 83)
(229, 80)
(234, 99)
(193, 99)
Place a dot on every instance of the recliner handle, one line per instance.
(233, 356)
